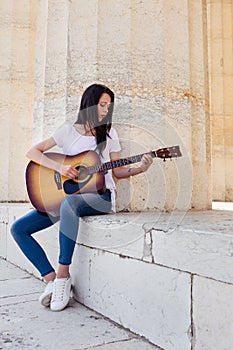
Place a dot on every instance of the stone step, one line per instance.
(161, 275)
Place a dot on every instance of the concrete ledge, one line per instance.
(160, 275)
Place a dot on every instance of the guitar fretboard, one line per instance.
(99, 168)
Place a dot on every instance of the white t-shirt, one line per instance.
(73, 143)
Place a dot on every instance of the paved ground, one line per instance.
(25, 324)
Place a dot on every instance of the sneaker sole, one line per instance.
(45, 301)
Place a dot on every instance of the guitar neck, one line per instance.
(118, 163)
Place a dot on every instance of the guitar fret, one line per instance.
(114, 164)
(95, 169)
(131, 160)
(109, 166)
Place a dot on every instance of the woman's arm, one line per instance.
(127, 171)
(36, 153)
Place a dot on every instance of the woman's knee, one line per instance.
(19, 227)
(16, 229)
(69, 205)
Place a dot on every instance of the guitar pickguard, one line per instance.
(72, 186)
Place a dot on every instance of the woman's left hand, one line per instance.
(146, 162)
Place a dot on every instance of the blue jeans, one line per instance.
(72, 208)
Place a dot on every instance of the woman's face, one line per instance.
(103, 106)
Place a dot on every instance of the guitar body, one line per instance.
(47, 188)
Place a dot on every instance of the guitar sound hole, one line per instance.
(74, 185)
(83, 173)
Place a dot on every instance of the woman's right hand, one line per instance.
(36, 153)
(69, 171)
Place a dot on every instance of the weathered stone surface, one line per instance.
(25, 324)
(204, 242)
(221, 91)
(212, 314)
(148, 299)
(134, 267)
(161, 58)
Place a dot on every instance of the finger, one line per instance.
(146, 159)
(72, 176)
(74, 173)
(149, 158)
(72, 170)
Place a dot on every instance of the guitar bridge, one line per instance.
(57, 179)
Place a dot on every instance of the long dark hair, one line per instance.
(88, 113)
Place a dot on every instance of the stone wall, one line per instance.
(152, 53)
(17, 42)
(221, 91)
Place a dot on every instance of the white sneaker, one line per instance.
(61, 294)
(46, 296)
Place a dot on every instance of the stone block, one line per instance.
(122, 234)
(212, 314)
(150, 300)
(201, 244)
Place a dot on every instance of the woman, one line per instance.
(92, 131)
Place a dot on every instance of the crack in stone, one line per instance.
(151, 226)
(148, 228)
(111, 342)
(191, 331)
(148, 246)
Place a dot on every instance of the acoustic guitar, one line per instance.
(47, 188)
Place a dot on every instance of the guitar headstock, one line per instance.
(168, 152)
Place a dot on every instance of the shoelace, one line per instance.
(59, 290)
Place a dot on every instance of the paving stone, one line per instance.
(25, 324)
